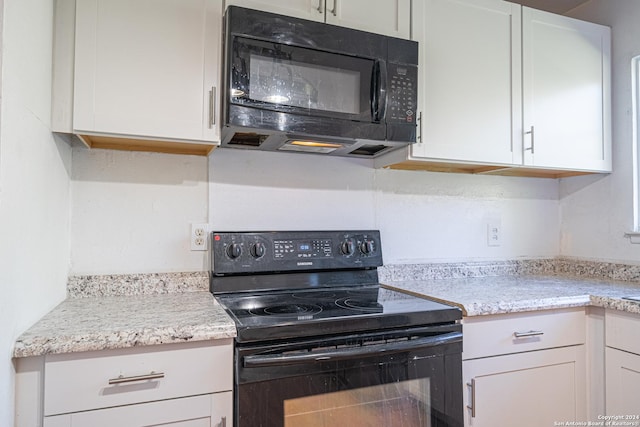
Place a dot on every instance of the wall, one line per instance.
(596, 211)
(131, 212)
(422, 216)
(34, 184)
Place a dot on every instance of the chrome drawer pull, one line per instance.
(527, 334)
(532, 148)
(122, 379)
(472, 386)
(335, 8)
(212, 106)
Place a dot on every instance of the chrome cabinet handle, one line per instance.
(527, 334)
(122, 379)
(531, 132)
(472, 386)
(319, 9)
(212, 106)
(419, 127)
(334, 11)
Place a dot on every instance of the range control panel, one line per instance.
(282, 251)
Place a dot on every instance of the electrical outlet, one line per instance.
(494, 234)
(199, 237)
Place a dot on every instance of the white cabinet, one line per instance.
(467, 80)
(145, 73)
(622, 361)
(303, 9)
(211, 410)
(389, 17)
(623, 382)
(525, 369)
(566, 90)
(177, 384)
(506, 89)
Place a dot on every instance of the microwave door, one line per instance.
(303, 81)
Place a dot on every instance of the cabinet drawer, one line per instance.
(210, 410)
(494, 335)
(622, 331)
(81, 381)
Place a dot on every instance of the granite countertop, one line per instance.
(120, 311)
(92, 321)
(478, 296)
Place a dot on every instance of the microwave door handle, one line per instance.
(379, 91)
(382, 92)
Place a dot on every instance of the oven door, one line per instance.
(408, 379)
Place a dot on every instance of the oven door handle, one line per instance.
(350, 353)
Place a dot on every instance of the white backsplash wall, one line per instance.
(132, 212)
(422, 216)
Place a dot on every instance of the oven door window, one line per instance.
(410, 389)
(300, 80)
(405, 403)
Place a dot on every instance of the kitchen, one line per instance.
(69, 211)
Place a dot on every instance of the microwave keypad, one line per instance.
(401, 97)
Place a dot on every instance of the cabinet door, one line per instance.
(530, 389)
(304, 9)
(389, 17)
(469, 79)
(623, 382)
(147, 68)
(566, 87)
(199, 411)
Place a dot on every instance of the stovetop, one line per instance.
(296, 284)
(341, 310)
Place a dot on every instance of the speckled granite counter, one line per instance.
(99, 318)
(478, 296)
(118, 311)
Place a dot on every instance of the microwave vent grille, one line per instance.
(247, 139)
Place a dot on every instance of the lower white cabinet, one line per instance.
(529, 389)
(209, 410)
(622, 364)
(525, 369)
(623, 383)
(187, 384)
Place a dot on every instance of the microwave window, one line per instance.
(302, 85)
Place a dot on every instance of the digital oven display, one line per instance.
(298, 249)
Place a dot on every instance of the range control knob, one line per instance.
(257, 250)
(234, 250)
(347, 247)
(367, 246)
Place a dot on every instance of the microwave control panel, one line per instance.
(402, 93)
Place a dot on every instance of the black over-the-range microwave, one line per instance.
(303, 86)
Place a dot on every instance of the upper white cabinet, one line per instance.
(389, 17)
(143, 70)
(505, 89)
(566, 87)
(466, 79)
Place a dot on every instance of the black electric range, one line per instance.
(316, 329)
